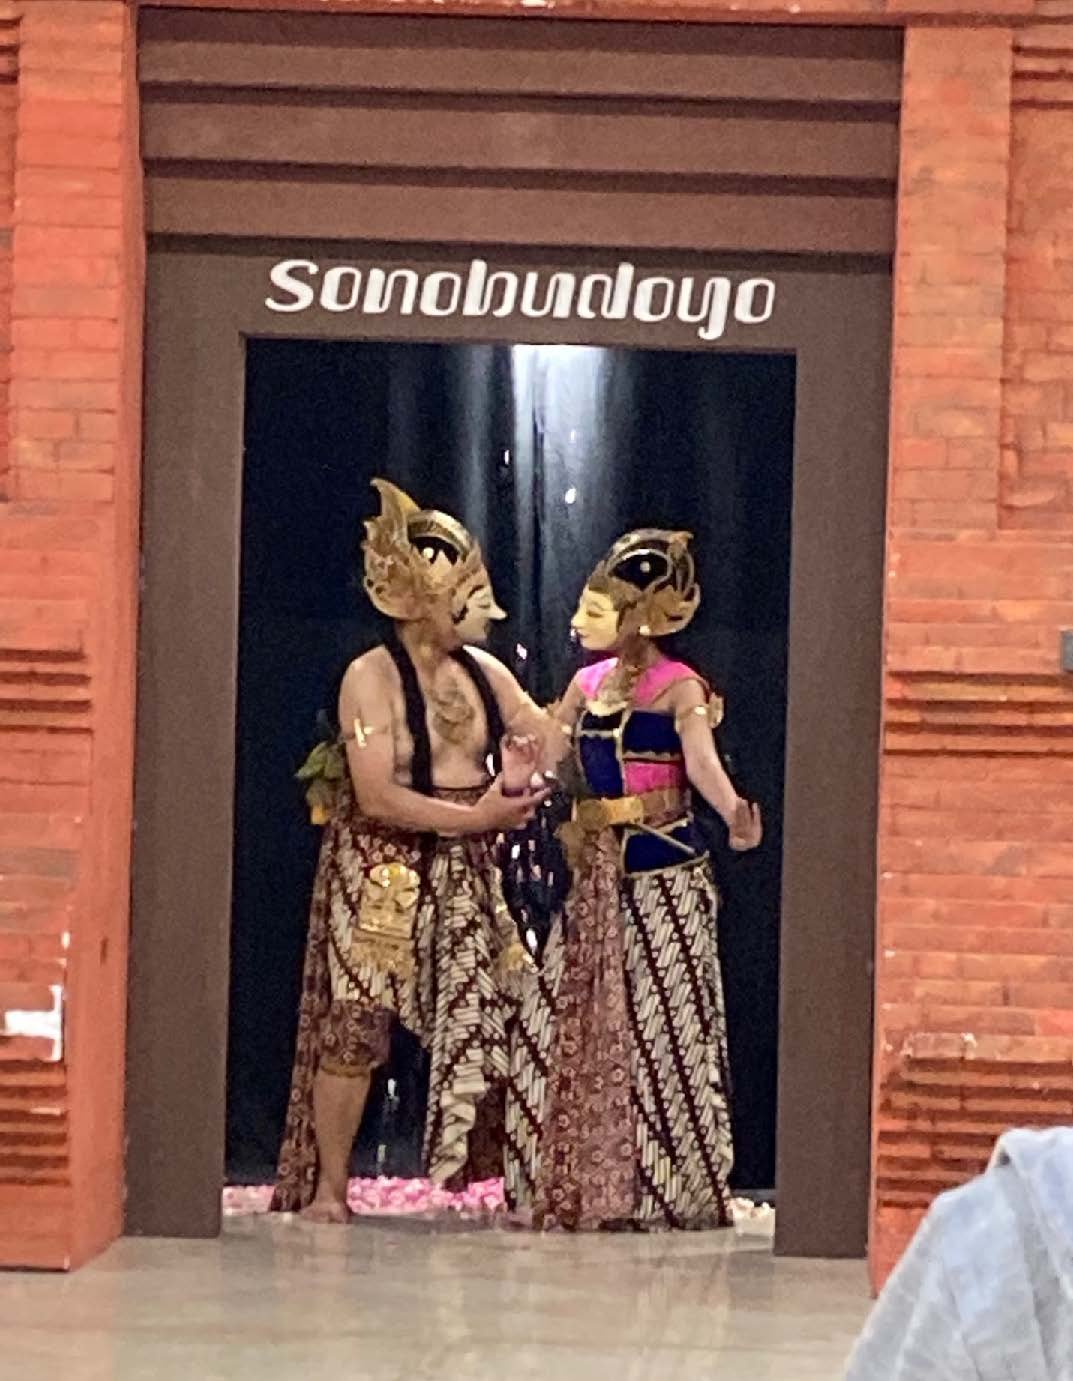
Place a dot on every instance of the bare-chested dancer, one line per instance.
(408, 921)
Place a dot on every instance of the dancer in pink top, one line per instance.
(617, 1103)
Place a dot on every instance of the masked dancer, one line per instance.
(618, 1113)
(407, 920)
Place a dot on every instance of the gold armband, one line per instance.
(712, 712)
(363, 733)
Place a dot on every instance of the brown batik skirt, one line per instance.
(617, 1106)
(454, 981)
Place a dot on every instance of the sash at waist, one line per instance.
(597, 813)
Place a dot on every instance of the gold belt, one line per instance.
(597, 813)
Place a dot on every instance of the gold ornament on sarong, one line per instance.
(513, 958)
(383, 935)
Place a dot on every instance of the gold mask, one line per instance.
(416, 558)
(649, 579)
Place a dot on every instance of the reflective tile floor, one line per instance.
(277, 1299)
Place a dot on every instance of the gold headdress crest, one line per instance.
(650, 577)
(415, 556)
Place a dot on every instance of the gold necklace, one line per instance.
(452, 713)
(616, 689)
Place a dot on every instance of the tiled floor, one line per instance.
(277, 1299)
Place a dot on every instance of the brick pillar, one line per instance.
(68, 569)
(975, 958)
(1037, 472)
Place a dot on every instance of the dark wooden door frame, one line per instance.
(202, 306)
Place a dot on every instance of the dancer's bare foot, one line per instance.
(327, 1210)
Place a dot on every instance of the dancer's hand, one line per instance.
(746, 827)
(496, 813)
(521, 760)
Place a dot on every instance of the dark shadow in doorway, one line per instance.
(547, 453)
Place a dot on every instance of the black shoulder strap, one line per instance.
(416, 718)
(493, 715)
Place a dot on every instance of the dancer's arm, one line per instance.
(365, 719)
(525, 719)
(687, 700)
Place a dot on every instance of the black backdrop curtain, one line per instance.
(547, 454)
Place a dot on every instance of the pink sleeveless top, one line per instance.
(644, 776)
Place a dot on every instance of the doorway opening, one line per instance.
(547, 453)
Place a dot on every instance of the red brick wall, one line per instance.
(975, 971)
(975, 974)
(68, 550)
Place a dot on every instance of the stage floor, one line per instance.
(276, 1299)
